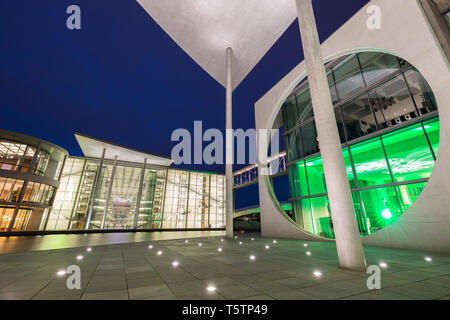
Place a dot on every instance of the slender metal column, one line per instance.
(348, 240)
(94, 192)
(108, 195)
(138, 200)
(229, 149)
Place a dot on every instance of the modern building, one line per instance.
(30, 169)
(390, 91)
(111, 188)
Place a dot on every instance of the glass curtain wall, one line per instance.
(389, 129)
(169, 198)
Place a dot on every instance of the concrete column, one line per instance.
(95, 191)
(229, 149)
(348, 240)
(139, 195)
(108, 195)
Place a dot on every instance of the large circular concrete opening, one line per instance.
(388, 125)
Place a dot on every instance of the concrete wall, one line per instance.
(406, 33)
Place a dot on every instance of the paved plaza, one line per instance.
(247, 267)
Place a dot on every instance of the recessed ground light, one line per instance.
(305, 245)
(221, 240)
(150, 246)
(383, 264)
(186, 241)
(428, 259)
(240, 242)
(267, 246)
(175, 264)
(89, 249)
(61, 273)
(199, 244)
(159, 253)
(219, 249)
(80, 257)
(253, 239)
(252, 257)
(317, 273)
(274, 241)
(211, 288)
(235, 237)
(308, 253)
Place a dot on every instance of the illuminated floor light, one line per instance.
(428, 259)
(150, 246)
(89, 249)
(253, 239)
(186, 241)
(221, 240)
(159, 253)
(235, 237)
(175, 264)
(61, 273)
(383, 264)
(219, 249)
(199, 244)
(317, 273)
(305, 244)
(267, 247)
(240, 242)
(308, 253)
(274, 241)
(211, 288)
(252, 257)
(80, 257)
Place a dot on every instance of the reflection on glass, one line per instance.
(392, 103)
(377, 65)
(370, 164)
(323, 224)
(408, 153)
(421, 91)
(348, 76)
(432, 129)
(310, 141)
(381, 207)
(358, 117)
(409, 193)
(316, 176)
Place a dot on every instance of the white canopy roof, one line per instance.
(93, 147)
(205, 28)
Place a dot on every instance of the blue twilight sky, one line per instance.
(121, 78)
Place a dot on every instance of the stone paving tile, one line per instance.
(106, 295)
(236, 291)
(292, 295)
(133, 271)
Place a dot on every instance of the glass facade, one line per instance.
(389, 129)
(158, 198)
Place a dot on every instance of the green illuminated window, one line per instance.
(370, 164)
(348, 168)
(432, 130)
(381, 207)
(303, 215)
(407, 194)
(298, 179)
(323, 225)
(316, 176)
(408, 153)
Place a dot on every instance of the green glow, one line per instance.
(386, 213)
(409, 158)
